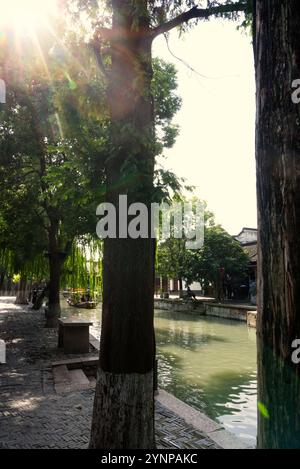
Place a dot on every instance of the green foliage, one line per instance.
(162, 11)
(46, 179)
(55, 131)
(83, 268)
(219, 251)
(167, 102)
(157, 12)
(263, 410)
(54, 142)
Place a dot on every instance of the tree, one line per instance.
(21, 253)
(221, 255)
(124, 416)
(277, 39)
(54, 142)
(173, 258)
(43, 158)
(56, 197)
(220, 251)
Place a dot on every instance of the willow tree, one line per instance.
(123, 36)
(83, 268)
(277, 55)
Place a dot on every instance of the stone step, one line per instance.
(61, 374)
(74, 363)
(94, 342)
(66, 380)
(70, 363)
(78, 380)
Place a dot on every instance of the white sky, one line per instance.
(215, 148)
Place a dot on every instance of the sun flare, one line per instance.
(24, 15)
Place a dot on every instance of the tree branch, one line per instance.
(202, 13)
(105, 34)
(98, 56)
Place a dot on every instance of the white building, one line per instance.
(247, 236)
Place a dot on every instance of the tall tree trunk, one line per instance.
(124, 408)
(53, 311)
(277, 53)
(2, 278)
(21, 298)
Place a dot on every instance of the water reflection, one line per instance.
(208, 363)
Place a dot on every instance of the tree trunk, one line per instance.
(53, 310)
(2, 278)
(40, 299)
(22, 292)
(277, 53)
(124, 404)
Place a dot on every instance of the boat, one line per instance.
(82, 304)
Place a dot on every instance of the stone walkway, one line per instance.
(32, 415)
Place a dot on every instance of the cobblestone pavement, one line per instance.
(33, 416)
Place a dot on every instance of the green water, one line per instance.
(208, 363)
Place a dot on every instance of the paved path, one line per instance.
(32, 415)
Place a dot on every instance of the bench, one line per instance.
(73, 335)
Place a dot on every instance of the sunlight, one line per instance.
(24, 15)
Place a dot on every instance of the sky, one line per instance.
(215, 148)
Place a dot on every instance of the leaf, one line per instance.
(263, 410)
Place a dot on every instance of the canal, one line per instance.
(209, 363)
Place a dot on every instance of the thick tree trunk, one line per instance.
(124, 409)
(124, 400)
(21, 298)
(53, 310)
(277, 53)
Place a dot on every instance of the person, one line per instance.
(190, 293)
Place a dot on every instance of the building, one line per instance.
(248, 240)
(247, 236)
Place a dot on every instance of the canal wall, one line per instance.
(214, 431)
(180, 306)
(251, 318)
(245, 313)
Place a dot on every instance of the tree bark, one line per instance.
(21, 298)
(124, 407)
(2, 278)
(277, 53)
(53, 310)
